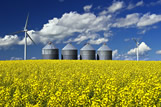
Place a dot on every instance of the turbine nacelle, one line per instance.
(25, 30)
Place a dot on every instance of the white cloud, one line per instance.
(98, 41)
(131, 6)
(71, 23)
(104, 12)
(143, 49)
(114, 53)
(108, 34)
(78, 39)
(87, 8)
(129, 20)
(15, 58)
(33, 58)
(154, 3)
(148, 19)
(115, 6)
(140, 3)
(145, 29)
(136, 20)
(117, 56)
(158, 52)
(127, 39)
(8, 40)
(82, 37)
(92, 39)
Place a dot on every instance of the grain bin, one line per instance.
(50, 52)
(69, 52)
(104, 53)
(87, 52)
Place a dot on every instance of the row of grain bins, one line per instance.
(69, 52)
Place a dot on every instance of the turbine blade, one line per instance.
(30, 38)
(16, 32)
(26, 22)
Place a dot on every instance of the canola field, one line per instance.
(62, 83)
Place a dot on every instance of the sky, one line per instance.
(115, 23)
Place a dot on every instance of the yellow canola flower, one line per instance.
(41, 83)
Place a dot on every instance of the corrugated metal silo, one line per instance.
(87, 52)
(69, 52)
(50, 52)
(104, 53)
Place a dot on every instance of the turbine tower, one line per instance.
(137, 47)
(26, 35)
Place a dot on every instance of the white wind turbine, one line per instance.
(26, 34)
(137, 47)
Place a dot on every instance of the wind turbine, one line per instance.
(137, 47)
(26, 35)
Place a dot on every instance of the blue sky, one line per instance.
(80, 21)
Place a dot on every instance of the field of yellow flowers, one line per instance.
(80, 83)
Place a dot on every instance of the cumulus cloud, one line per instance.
(158, 52)
(124, 56)
(71, 23)
(143, 49)
(129, 20)
(87, 8)
(131, 6)
(117, 56)
(114, 53)
(148, 19)
(8, 40)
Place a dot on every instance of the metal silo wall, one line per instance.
(69, 54)
(50, 54)
(104, 55)
(87, 55)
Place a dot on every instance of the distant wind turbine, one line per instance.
(26, 34)
(137, 47)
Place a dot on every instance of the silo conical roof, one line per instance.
(87, 47)
(69, 46)
(50, 46)
(104, 47)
